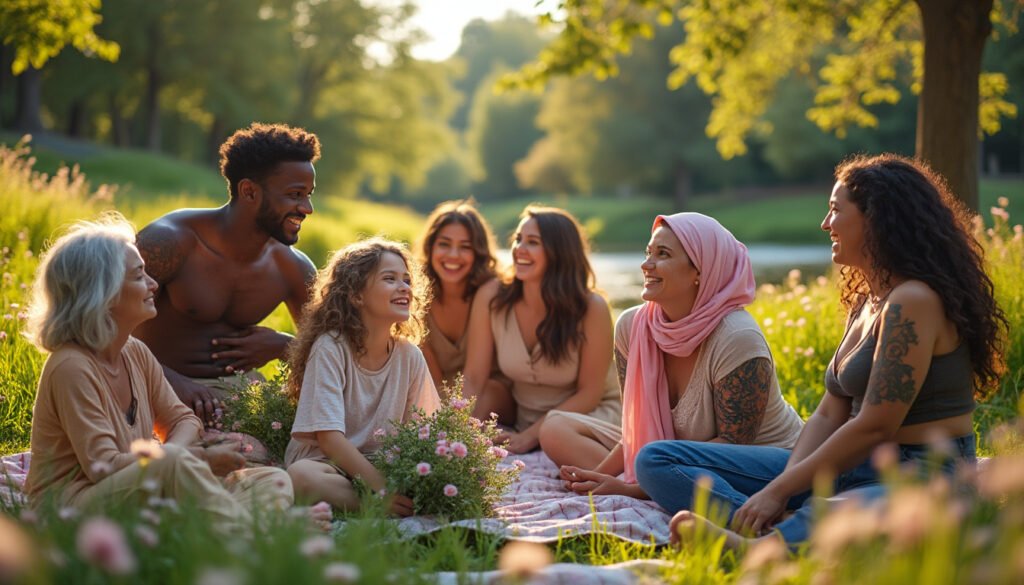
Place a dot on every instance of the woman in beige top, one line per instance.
(550, 330)
(457, 255)
(102, 395)
(692, 362)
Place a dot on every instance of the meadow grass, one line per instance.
(932, 534)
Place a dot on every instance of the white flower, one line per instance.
(316, 546)
(341, 572)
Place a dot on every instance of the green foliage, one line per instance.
(445, 461)
(260, 408)
(39, 29)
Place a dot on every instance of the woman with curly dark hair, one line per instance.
(922, 340)
(355, 369)
(549, 330)
(457, 254)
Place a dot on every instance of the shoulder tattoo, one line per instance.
(620, 368)
(892, 380)
(740, 400)
(161, 250)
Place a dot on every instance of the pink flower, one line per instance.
(247, 448)
(459, 449)
(520, 464)
(441, 450)
(451, 491)
(102, 543)
(146, 535)
(499, 452)
(423, 468)
(475, 422)
(379, 434)
(442, 435)
(3, 335)
(275, 425)
(459, 403)
(425, 432)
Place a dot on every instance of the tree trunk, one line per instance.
(27, 101)
(118, 125)
(5, 79)
(76, 118)
(683, 186)
(151, 105)
(955, 32)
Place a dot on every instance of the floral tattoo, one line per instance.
(891, 379)
(740, 400)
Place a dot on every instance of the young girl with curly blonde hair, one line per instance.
(356, 368)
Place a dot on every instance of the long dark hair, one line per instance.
(915, 229)
(464, 213)
(566, 286)
(334, 307)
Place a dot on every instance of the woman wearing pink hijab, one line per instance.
(692, 364)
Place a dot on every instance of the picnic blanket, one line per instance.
(13, 471)
(628, 573)
(537, 508)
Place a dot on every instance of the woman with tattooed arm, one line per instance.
(693, 364)
(922, 340)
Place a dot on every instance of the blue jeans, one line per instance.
(668, 471)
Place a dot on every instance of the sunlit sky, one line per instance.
(443, 21)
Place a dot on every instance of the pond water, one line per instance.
(618, 273)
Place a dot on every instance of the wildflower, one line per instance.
(441, 450)
(146, 535)
(100, 467)
(477, 423)
(150, 485)
(768, 321)
(847, 524)
(424, 432)
(8, 316)
(499, 452)
(766, 552)
(1000, 213)
(1001, 476)
(341, 572)
(801, 322)
(520, 559)
(520, 464)
(1003, 202)
(459, 449)
(150, 516)
(809, 352)
(441, 436)
(450, 490)
(423, 468)
(316, 546)
(379, 434)
(101, 542)
(67, 513)
(459, 403)
(910, 517)
(3, 335)
(276, 425)
(147, 449)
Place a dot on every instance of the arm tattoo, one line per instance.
(891, 379)
(620, 366)
(740, 400)
(162, 252)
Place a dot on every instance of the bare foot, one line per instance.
(687, 527)
(319, 515)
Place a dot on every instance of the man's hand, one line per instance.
(399, 505)
(759, 513)
(197, 397)
(584, 482)
(517, 442)
(249, 348)
(225, 457)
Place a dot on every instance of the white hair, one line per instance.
(78, 282)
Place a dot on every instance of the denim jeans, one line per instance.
(668, 472)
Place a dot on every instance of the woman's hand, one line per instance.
(223, 458)
(759, 513)
(517, 442)
(584, 482)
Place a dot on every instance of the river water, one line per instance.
(618, 273)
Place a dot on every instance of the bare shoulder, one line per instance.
(916, 297)
(165, 243)
(597, 305)
(486, 292)
(291, 259)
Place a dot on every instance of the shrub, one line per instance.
(262, 409)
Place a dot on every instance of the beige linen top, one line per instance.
(340, 395)
(451, 357)
(539, 385)
(736, 339)
(76, 421)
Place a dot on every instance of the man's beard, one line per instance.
(274, 226)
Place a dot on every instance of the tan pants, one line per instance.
(180, 475)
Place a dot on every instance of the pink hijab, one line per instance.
(726, 284)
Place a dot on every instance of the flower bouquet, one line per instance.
(446, 462)
(261, 409)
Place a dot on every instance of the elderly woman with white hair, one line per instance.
(101, 390)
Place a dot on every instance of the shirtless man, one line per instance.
(221, 271)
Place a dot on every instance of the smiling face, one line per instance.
(845, 225)
(452, 254)
(286, 200)
(669, 275)
(135, 302)
(528, 253)
(387, 296)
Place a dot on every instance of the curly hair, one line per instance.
(77, 284)
(915, 229)
(567, 283)
(254, 152)
(332, 308)
(464, 213)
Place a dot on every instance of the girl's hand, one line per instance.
(517, 442)
(584, 482)
(759, 513)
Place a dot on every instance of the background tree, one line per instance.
(739, 50)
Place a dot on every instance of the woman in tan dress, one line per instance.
(549, 330)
